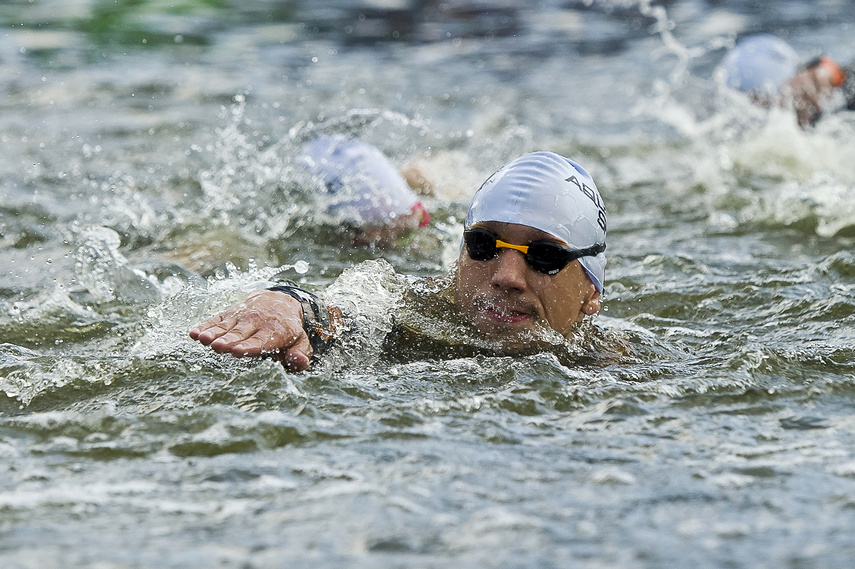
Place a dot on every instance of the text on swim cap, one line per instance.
(594, 197)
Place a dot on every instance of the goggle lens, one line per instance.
(480, 244)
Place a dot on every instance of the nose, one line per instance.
(511, 270)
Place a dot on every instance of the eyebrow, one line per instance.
(546, 236)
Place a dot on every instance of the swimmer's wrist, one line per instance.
(320, 322)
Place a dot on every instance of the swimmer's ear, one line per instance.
(591, 305)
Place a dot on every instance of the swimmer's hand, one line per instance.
(267, 322)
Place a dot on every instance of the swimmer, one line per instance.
(768, 69)
(364, 190)
(532, 256)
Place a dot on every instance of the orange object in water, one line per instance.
(837, 76)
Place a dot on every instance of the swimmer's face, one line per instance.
(503, 296)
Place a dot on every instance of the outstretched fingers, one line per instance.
(214, 327)
(257, 334)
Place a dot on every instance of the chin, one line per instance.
(504, 333)
(507, 338)
(518, 338)
(523, 343)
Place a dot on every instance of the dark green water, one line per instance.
(147, 179)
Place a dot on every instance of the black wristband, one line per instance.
(314, 317)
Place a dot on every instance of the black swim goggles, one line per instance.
(544, 256)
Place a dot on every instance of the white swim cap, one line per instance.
(761, 63)
(551, 193)
(363, 185)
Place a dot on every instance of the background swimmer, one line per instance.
(767, 68)
(365, 190)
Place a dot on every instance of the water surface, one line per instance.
(147, 180)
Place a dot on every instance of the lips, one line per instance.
(505, 315)
(498, 311)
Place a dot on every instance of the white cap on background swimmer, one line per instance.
(761, 63)
(551, 193)
(362, 184)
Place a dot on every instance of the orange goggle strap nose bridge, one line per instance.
(521, 248)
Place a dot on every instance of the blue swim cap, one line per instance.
(761, 63)
(550, 193)
(361, 182)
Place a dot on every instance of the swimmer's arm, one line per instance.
(813, 87)
(267, 322)
(807, 92)
(417, 180)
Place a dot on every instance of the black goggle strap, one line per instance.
(591, 251)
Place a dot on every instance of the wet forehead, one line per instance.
(516, 233)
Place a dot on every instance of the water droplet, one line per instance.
(301, 267)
